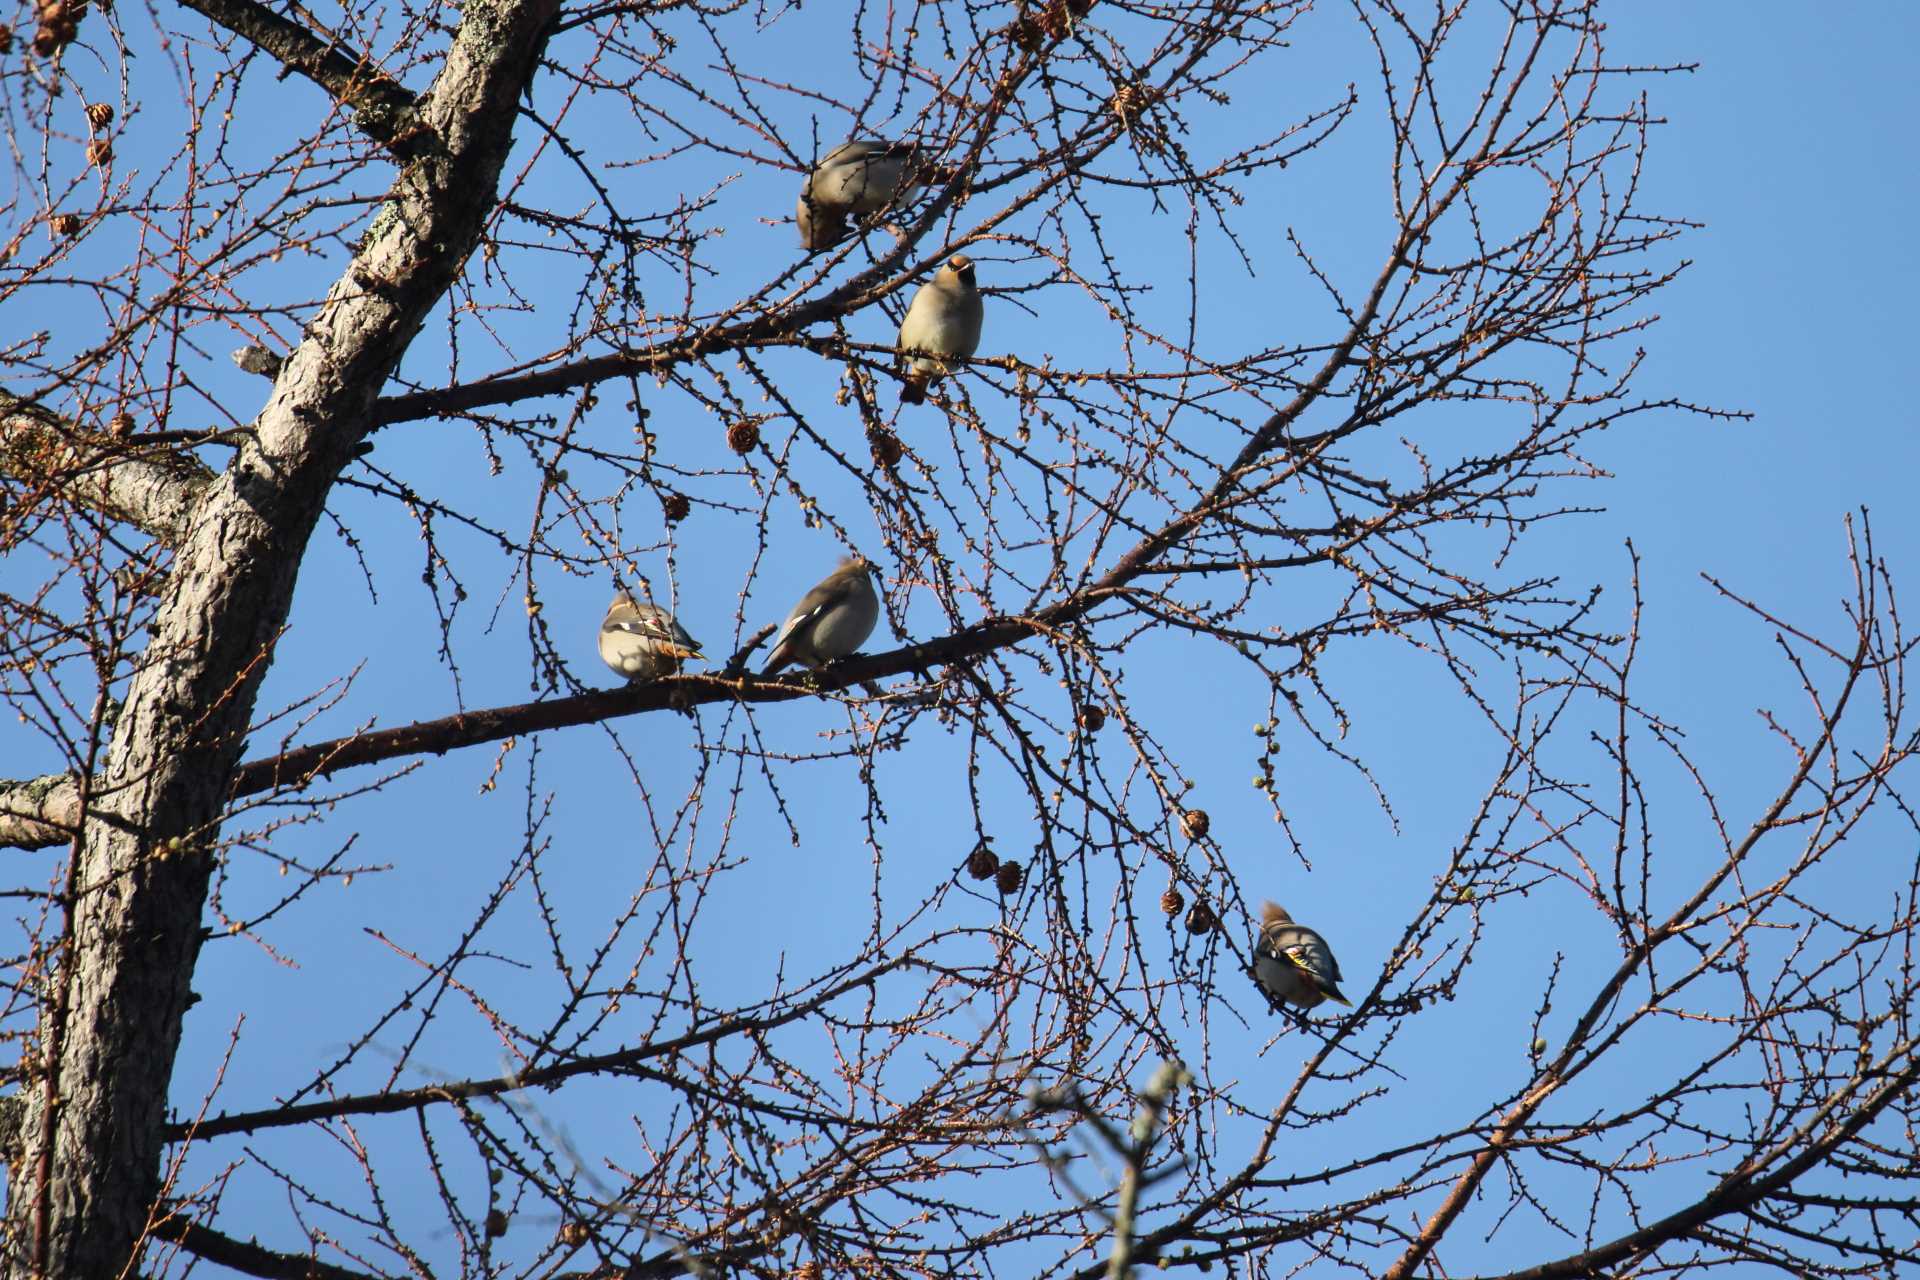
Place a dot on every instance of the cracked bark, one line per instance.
(93, 1126)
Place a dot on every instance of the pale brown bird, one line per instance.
(942, 322)
(1294, 963)
(641, 641)
(831, 621)
(856, 180)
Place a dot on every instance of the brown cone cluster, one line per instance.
(981, 864)
(59, 23)
(1009, 878)
(743, 436)
(1046, 23)
(887, 450)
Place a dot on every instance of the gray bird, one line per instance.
(856, 180)
(1293, 963)
(642, 641)
(831, 621)
(943, 320)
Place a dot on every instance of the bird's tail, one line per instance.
(913, 390)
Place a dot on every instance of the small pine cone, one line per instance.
(981, 864)
(1093, 717)
(574, 1234)
(6, 38)
(807, 1271)
(675, 507)
(743, 436)
(1171, 901)
(1200, 918)
(100, 152)
(886, 447)
(67, 224)
(1196, 824)
(1080, 8)
(120, 426)
(496, 1224)
(100, 115)
(1009, 878)
(1027, 34)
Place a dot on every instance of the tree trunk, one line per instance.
(83, 1191)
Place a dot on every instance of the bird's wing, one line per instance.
(1324, 952)
(654, 626)
(816, 604)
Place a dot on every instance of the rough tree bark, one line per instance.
(92, 1129)
(918, 1045)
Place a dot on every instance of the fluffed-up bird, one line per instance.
(856, 180)
(641, 641)
(943, 321)
(831, 621)
(1293, 963)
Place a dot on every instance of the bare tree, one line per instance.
(579, 219)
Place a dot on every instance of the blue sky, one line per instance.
(1791, 143)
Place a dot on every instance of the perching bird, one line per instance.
(1293, 963)
(856, 180)
(642, 641)
(943, 320)
(831, 621)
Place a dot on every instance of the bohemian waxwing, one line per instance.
(856, 180)
(943, 320)
(1293, 963)
(642, 641)
(831, 621)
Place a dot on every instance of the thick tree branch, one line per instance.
(1741, 1189)
(38, 812)
(627, 1061)
(155, 492)
(247, 1257)
(380, 105)
(682, 692)
(765, 326)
